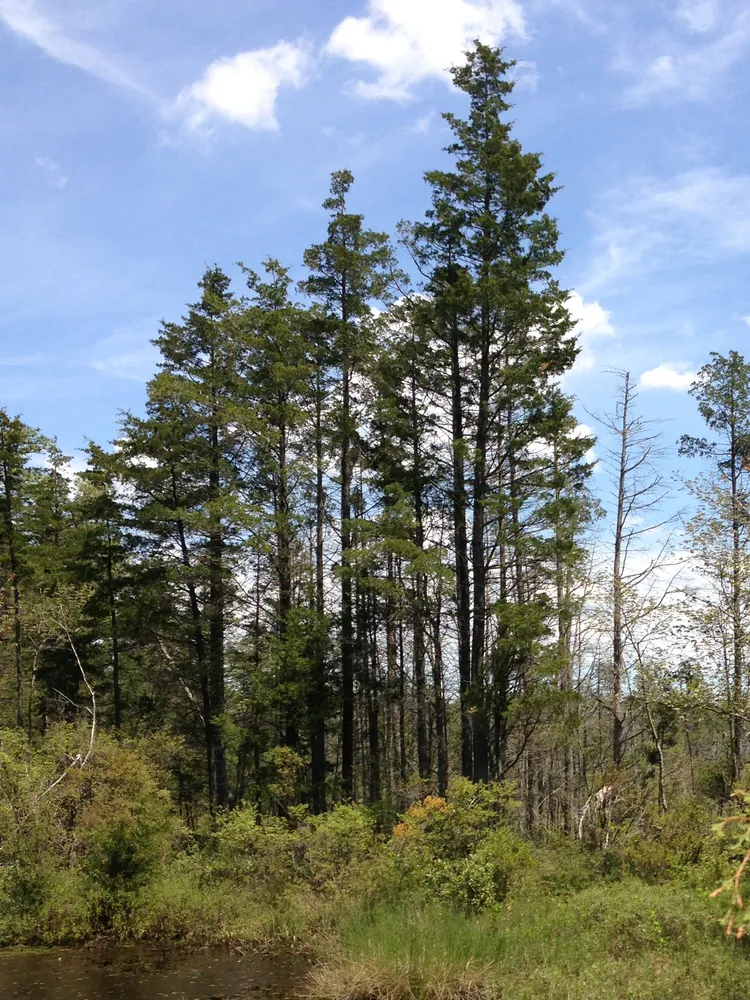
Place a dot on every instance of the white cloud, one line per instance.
(27, 20)
(406, 41)
(55, 176)
(690, 71)
(745, 319)
(539, 448)
(526, 74)
(243, 88)
(708, 198)
(71, 469)
(592, 323)
(584, 431)
(675, 376)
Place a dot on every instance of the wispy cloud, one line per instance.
(127, 353)
(699, 16)
(407, 42)
(56, 178)
(34, 24)
(243, 88)
(689, 68)
(423, 124)
(21, 360)
(699, 216)
(526, 74)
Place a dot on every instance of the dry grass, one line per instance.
(373, 980)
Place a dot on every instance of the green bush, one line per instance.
(485, 877)
(675, 846)
(77, 844)
(338, 847)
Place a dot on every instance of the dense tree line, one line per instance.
(352, 543)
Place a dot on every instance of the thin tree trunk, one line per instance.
(10, 535)
(461, 544)
(347, 613)
(617, 585)
(373, 709)
(441, 736)
(114, 634)
(420, 589)
(200, 655)
(284, 573)
(737, 628)
(216, 600)
(317, 702)
(392, 670)
(479, 574)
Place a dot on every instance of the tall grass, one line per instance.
(617, 942)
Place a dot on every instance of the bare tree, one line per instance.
(641, 535)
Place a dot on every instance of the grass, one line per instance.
(627, 941)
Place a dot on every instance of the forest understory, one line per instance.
(452, 899)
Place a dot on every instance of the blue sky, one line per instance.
(144, 139)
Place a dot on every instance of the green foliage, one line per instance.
(674, 846)
(78, 844)
(459, 849)
(734, 834)
(340, 847)
(483, 879)
(452, 827)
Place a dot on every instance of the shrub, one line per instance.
(88, 843)
(339, 845)
(263, 852)
(675, 845)
(452, 827)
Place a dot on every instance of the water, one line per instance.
(137, 974)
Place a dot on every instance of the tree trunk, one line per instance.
(737, 628)
(347, 613)
(216, 599)
(114, 634)
(617, 586)
(200, 656)
(441, 736)
(317, 700)
(15, 590)
(479, 573)
(461, 544)
(420, 592)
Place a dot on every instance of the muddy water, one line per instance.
(129, 974)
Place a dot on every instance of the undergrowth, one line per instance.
(450, 902)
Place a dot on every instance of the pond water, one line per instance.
(137, 974)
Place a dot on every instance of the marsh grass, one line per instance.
(617, 942)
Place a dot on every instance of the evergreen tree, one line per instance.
(490, 248)
(185, 465)
(19, 443)
(722, 390)
(348, 272)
